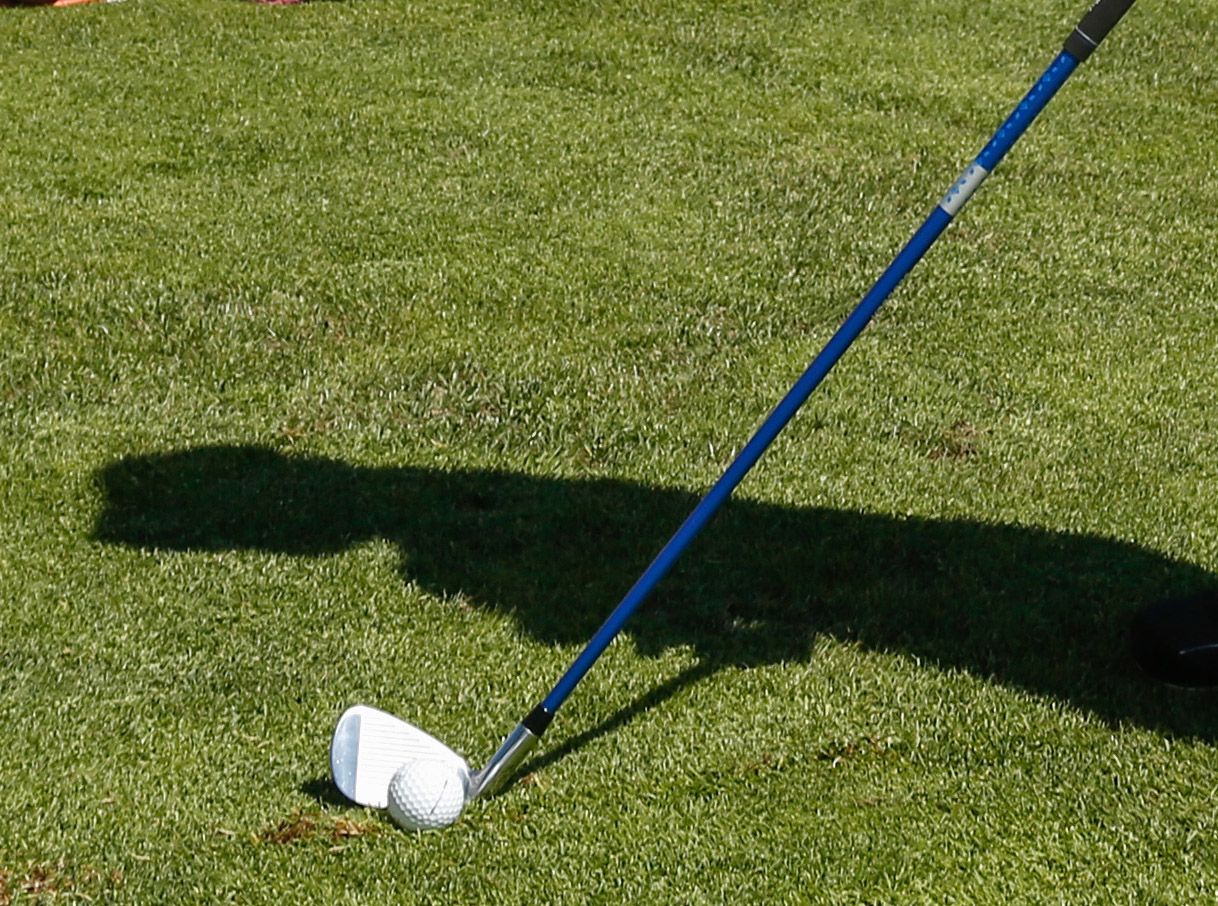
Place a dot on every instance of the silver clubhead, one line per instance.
(370, 745)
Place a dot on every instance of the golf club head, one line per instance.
(370, 745)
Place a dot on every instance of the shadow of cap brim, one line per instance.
(1176, 640)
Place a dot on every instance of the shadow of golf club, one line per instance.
(1036, 610)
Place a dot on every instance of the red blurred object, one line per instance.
(46, 2)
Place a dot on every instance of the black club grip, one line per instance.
(1093, 28)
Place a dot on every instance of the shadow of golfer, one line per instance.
(1037, 610)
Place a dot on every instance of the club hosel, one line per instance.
(512, 753)
(504, 763)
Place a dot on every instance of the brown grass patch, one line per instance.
(313, 825)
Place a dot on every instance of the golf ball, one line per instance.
(426, 794)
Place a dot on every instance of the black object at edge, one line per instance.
(1175, 640)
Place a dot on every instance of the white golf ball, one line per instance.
(426, 794)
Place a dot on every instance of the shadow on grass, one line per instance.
(324, 792)
(1031, 609)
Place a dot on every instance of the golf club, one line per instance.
(369, 747)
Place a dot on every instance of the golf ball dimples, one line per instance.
(426, 794)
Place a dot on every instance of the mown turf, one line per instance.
(366, 351)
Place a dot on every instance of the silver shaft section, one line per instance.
(503, 765)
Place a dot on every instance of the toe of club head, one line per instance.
(370, 745)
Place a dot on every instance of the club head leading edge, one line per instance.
(370, 745)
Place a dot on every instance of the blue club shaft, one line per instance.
(1001, 142)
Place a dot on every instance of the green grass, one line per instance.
(367, 351)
